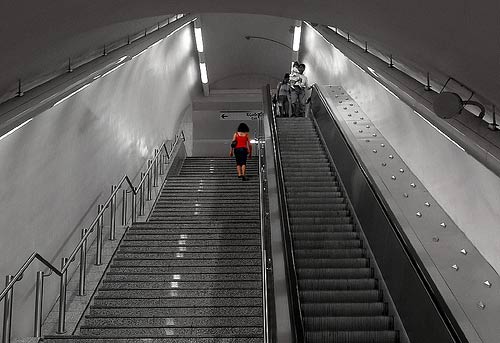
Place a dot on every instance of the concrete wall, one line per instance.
(58, 167)
(212, 132)
(468, 191)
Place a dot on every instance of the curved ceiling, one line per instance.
(455, 38)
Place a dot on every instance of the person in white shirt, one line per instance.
(298, 92)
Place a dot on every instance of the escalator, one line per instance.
(341, 299)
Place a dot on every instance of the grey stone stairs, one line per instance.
(340, 297)
(192, 272)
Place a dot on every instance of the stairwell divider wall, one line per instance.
(293, 290)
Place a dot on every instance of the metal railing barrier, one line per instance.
(148, 180)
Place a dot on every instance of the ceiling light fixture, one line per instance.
(199, 39)
(296, 38)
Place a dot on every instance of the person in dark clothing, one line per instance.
(241, 148)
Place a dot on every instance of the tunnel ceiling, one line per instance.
(459, 39)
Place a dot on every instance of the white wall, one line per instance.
(467, 191)
(57, 168)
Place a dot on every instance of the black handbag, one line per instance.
(233, 144)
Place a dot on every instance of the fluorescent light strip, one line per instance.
(373, 71)
(121, 59)
(199, 39)
(203, 70)
(438, 130)
(112, 70)
(70, 95)
(15, 129)
(296, 38)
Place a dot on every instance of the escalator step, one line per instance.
(353, 296)
(352, 336)
(373, 323)
(344, 309)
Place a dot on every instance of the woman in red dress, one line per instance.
(241, 148)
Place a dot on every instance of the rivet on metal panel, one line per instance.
(419, 214)
(351, 104)
(374, 135)
(382, 145)
(354, 122)
(487, 284)
(340, 101)
(342, 92)
(335, 95)
(443, 225)
(384, 164)
(356, 111)
(367, 126)
(391, 157)
(349, 115)
(413, 185)
(454, 267)
(367, 140)
(405, 195)
(481, 305)
(435, 239)
(345, 108)
(401, 170)
(393, 177)
(463, 251)
(427, 204)
(347, 98)
(361, 118)
(374, 151)
(360, 131)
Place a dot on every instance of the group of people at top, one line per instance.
(291, 92)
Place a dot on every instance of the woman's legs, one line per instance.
(238, 170)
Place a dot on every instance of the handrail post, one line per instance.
(37, 332)
(112, 215)
(155, 169)
(124, 207)
(162, 162)
(62, 298)
(83, 265)
(141, 196)
(134, 206)
(149, 177)
(7, 311)
(100, 225)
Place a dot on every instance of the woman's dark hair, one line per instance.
(243, 128)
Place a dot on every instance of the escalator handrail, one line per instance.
(293, 290)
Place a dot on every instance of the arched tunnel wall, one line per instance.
(58, 167)
(467, 190)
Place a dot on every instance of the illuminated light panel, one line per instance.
(176, 277)
(174, 284)
(182, 242)
(373, 71)
(75, 92)
(112, 70)
(15, 129)
(182, 248)
(179, 255)
(184, 236)
(203, 70)
(199, 39)
(296, 38)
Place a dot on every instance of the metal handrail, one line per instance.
(153, 165)
(294, 298)
(262, 232)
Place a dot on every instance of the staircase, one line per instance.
(340, 298)
(192, 272)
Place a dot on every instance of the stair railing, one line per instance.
(293, 290)
(148, 180)
(263, 235)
